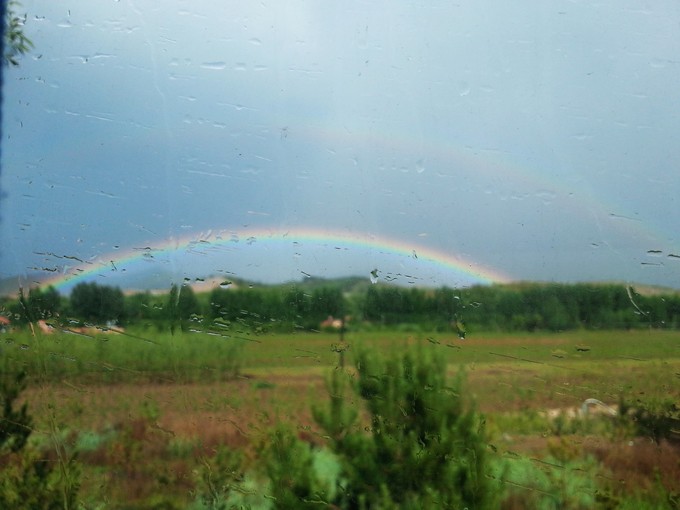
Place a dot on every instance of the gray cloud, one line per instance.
(539, 141)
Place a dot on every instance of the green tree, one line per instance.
(37, 305)
(43, 304)
(181, 304)
(16, 425)
(446, 304)
(327, 301)
(425, 447)
(140, 307)
(27, 478)
(296, 305)
(97, 303)
(289, 463)
(171, 308)
(187, 303)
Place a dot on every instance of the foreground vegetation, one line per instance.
(150, 419)
(341, 395)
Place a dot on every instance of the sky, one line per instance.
(432, 143)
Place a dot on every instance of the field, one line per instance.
(148, 412)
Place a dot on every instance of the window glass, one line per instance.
(275, 255)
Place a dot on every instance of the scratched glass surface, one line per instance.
(356, 255)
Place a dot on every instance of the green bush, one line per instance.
(552, 483)
(300, 476)
(424, 448)
(655, 418)
(218, 479)
(28, 478)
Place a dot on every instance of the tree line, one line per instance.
(514, 307)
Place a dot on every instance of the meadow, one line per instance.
(149, 413)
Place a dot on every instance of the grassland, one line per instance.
(146, 410)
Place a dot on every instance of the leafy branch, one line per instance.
(16, 42)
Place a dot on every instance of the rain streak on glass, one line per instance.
(252, 253)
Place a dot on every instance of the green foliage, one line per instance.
(523, 307)
(327, 301)
(517, 307)
(657, 498)
(297, 479)
(16, 425)
(391, 305)
(223, 484)
(657, 418)
(181, 306)
(145, 309)
(16, 43)
(97, 303)
(424, 448)
(28, 478)
(340, 417)
(39, 305)
(132, 356)
(248, 308)
(187, 303)
(219, 478)
(43, 304)
(551, 483)
(30, 482)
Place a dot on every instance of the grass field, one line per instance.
(145, 410)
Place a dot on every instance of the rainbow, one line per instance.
(403, 261)
(501, 173)
(493, 164)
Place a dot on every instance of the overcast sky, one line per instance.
(533, 140)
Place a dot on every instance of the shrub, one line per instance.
(300, 476)
(655, 418)
(28, 478)
(218, 479)
(551, 483)
(424, 448)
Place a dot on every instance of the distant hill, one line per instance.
(346, 284)
(9, 286)
(642, 289)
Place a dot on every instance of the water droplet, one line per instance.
(217, 66)
(225, 284)
(546, 196)
(374, 276)
(420, 166)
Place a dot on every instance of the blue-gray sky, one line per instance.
(538, 140)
